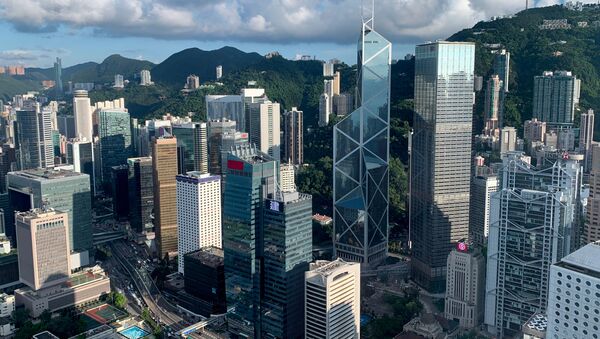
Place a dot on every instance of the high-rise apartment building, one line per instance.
(114, 133)
(251, 178)
(508, 140)
(192, 146)
(293, 137)
(145, 78)
(440, 156)
(264, 127)
(34, 131)
(324, 111)
(227, 107)
(360, 158)
(493, 100)
(555, 97)
(531, 227)
(61, 190)
(219, 72)
(192, 82)
(574, 295)
(337, 80)
(141, 193)
(332, 300)
(198, 213)
(482, 187)
(58, 77)
(287, 247)
(502, 67)
(287, 178)
(119, 81)
(164, 167)
(82, 110)
(343, 104)
(534, 130)
(586, 137)
(465, 286)
(216, 130)
(44, 252)
(591, 229)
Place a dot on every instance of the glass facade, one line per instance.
(251, 177)
(34, 135)
(141, 193)
(287, 253)
(192, 147)
(114, 131)
(440, 156)
(361, 152)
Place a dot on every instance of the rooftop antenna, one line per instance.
(368, 13)
(526, 4)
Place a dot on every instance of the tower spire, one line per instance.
(368, 13)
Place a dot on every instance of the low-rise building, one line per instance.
(7, 307)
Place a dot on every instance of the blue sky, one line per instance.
(34, 32)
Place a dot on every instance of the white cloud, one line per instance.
(278, 21)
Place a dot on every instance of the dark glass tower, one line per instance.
(114, 130)
(141, 193)
(441, 157)
(360, 158)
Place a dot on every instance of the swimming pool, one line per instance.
(134, 332)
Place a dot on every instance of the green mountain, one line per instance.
(12, 85)
(175, 69)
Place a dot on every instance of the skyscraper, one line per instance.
(114, 132)
(555, 97)
(482, 187)
(192, 146)
(198, 213)
(216, 130)
(164, 167)
(82, 110)
(230, 107)
(591, 229)
(80, 154)
(34, 131)
(58, 77)
(293, 137)
(531, 227)
(145, 78)
(441, 156)
(324, 111)
(141, 193)
(264, 128)
(44, 254)
(332, 301)
(494, 93)
(287, 180)
(502, 67)
(119, 189)
(61, 190)
(287, 252)
(205, 280)
(534, 130)
(251, 177)
(574, 295)
(360, 158)
(118, 81)
(586, 137)
(508, 139)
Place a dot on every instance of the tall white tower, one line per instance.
(82, 110)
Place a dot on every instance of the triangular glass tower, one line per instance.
(360, 157)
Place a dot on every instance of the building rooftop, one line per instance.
(45, 335)
(209, 256)
(250, 154)
(196, 177)
(585, 257)
(326, 268)
(536, 325)
(322, 219)
(43, 174)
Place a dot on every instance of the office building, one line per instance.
(226, 107)
(360, 159)
(337, 80)
(119, 81)
(80, 154)
(198, 213)
(343, 104)
(586, 137)
(82, 111)
(591, 229)
(324, 112)
(192, 82)
(531, 227)
(502, 67)
(7, 307)
(332, 300)
(555, 97)
(493, 102)
(231, 141)
(287, 253)
(250, 96)
(120, 191)
(287, 181)
(251, 178)
(192, 146)
(219, 72)
(534, 130)
(264, 127)
(164, 167)
(114, 133)
(482, 187)
(145, 78)
(441, 157)
(61, 190)
(508, 140)
(205, 279)
(58, 77)
(565, 139)
(465, 286)
(574, 294)
(293, 137)
(34, 131)
(66, 126)
(141, 194)
(216, 130)
(44, 253)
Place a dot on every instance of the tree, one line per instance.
(398, 189)
(20, 316)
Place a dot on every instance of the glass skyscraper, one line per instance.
(360, 158)
(251, 178)
(192, 147)
(440, 174)
(34, 135)
(114, 130)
